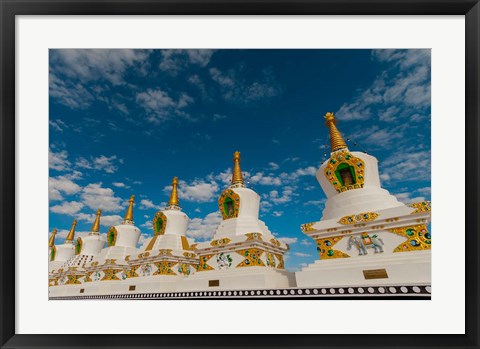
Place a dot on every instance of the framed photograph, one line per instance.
(249, 174)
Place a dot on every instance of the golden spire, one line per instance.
(237, 177)
(174, 195)
(71, 234)
(96, 224)
(336, 139)
(129, 214)
(51, 241)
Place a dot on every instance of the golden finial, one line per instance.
(336, 139)
(71, 235)
(237, 177)
(129, 214)
(96, 224)
(51, 241)
(174, 195)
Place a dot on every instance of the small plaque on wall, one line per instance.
(213, 283)
(375, 274)
(132, 288)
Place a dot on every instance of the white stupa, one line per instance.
(166, 257)
(89, 246)
(107, 267)
(59, 256)
(365, 236)
(243, 253)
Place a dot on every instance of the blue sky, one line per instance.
(125, 122)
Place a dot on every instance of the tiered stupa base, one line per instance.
(396, 269)
(238, 279)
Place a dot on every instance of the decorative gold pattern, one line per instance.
(254, 236)
(203, 266)
(230, 211)
(131, 272)
(355, 167)
(281, 263)
(87, 276)
(189, 255)
(165, 252)
(252, 258)
(336, 139)
(112, 236)
(110, 274)
(418, 238)
(51, 241)
(96, 224)
(159, 229)
(193, 247)
(185, 243)
(361, 217)
(275, 242)
(307, 227)
(174, 195)
(220, 242)
(237, 177)
(184, 268)
(165, 268)
(420, 207)
(325, 248)
(129, 215)
(151, 243)
(71, 234)
(73, 279)
(270, 260)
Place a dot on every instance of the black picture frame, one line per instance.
(9, 9)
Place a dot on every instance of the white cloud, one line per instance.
(204, 228)
(119, 184)
(68, 208)
(173, 61)
(406, 199)
(59, 185)
(286, 196)
(58, 161)
(105, 220)
(196, 191)
(217, 117)
(287, 240)
(306, 242)
(300, 254)
(58, 125)
(71, 94)
(96, 197)
(320, 202)
(404, 85)
(260, 178)
(234, 88)
(96, 64)
(277, 213)
(100, 163)
(407, 166)
(146, 204)
(161, 106)
(273, 166)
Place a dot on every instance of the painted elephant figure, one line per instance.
(376, 244)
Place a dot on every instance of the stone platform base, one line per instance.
(419, 291)
(372, 269)
(244, 278)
